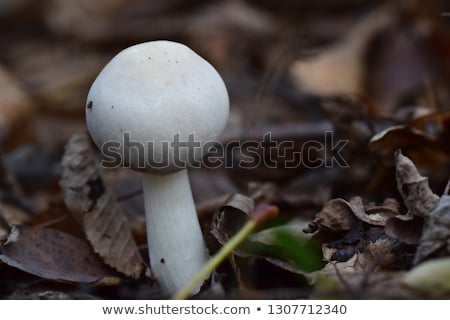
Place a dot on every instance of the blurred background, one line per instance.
(294, 68)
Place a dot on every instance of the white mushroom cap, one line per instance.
(154, 91)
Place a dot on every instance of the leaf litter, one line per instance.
(93, 204)
(54, 255)
(376, 75)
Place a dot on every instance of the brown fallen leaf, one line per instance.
(340, 70)
(414, 189)
(340, 215)
(54, 255)
(93, 204)
(406, 228)
(231, 218)
(375, 214)
(423, 147)
(336, 215)
(376, 255)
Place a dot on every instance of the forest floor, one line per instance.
(347, 108)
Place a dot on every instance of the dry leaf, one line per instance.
(415, 191)
(423, 147)
(355, 264)
(406, 228)
(93, 204)
(340, 69)
(340, 215)
(336, 215)
(52, 254)
(375, 214)
(231, 218)
(376, 255)
(436, 231)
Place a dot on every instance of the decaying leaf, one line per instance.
(425, 148)
(436, 231)
(431, 277)
(52, 254)
(336, 215)
(415, 191)
(355, 264)
(93, 204)
(406, 228)
(340, 215)
(340, 70)
(374, 256)
(375, 214)
(231, 218)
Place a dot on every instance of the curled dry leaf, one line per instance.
(375, 214)
(406, 228)
(336, 215)
(376, 255)
(54, 255)
(436, 231)
(93, 204)
(355, 264)
(231, 218)
(425, 148)
(340, 215)
(414, 189)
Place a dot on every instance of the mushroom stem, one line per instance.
(176, 246)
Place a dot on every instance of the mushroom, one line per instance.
(157, 106)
